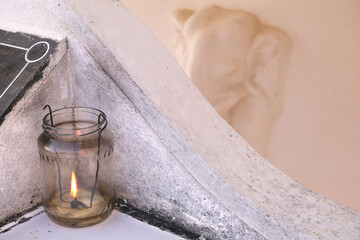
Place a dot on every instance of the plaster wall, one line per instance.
(316, 138)
(20, 183)
(191, 168)
(144, 167)
(283, 209)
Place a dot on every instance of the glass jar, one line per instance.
(76, 163)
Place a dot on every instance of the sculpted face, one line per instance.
(238, 65)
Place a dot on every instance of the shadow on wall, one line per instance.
(237, 63)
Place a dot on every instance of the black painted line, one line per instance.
(155, 219)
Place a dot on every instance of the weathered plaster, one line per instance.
(316, 138)
(189, 167)
(19, 165)
(274, 194)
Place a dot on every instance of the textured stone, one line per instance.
(19, 166)
(175, 156)
(22, 57)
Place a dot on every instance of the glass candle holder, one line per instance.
(76, 163)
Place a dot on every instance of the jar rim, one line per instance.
(98, 123)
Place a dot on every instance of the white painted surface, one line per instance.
(79, 79)
(117, 226)
(190, 128)
(316, 139)
(164, 126)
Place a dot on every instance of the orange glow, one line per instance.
(73, 191)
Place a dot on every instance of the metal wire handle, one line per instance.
(50, 112)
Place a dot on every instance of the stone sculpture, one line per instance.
(237, 63)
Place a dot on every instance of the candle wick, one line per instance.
(75, 204)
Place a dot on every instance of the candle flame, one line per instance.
(73, 191)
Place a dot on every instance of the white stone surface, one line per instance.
(316, 138)
(279, 201)
(117, 226)
(147, 174)
(176, 157)
(19, 167)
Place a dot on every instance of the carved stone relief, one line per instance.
(237, 63)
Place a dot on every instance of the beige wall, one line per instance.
(316, 140)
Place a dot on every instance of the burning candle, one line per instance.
(73, 190)
(76, 162)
